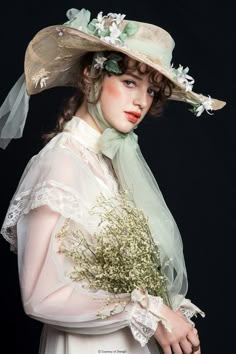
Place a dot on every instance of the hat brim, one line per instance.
(52, 56)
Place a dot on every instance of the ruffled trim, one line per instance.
(57, 196)
(146, 316)
(189, 310)
(143, 325)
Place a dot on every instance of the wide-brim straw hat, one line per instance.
(52, 56)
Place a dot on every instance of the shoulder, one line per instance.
(61, 152)
(61, 161)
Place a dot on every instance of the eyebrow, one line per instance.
(133, 75)
(140, 79)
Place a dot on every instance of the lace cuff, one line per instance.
(146, 316)
(188, 309)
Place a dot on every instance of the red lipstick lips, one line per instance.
(133, 116)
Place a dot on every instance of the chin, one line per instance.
(126, 128)
(124, 131)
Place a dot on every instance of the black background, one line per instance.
(192, 158)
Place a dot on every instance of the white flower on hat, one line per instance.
(114, 18)
(99, 25)
(100, 18)
(40, 78)
(118, 18)
(205, 106)
(113, 38)
(199, 108)
(60, 31)
(99, 62)
(182, 77)
(114, 31)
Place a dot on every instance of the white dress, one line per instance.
(62, 182)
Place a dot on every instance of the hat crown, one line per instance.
(142, 38)
(152, 41)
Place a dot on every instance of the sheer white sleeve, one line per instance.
(49, 296)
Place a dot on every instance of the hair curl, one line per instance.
(85, 81)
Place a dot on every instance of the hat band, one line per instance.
(157, 51)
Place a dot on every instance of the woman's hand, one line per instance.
(183, 338)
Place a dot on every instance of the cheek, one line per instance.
(112, 90)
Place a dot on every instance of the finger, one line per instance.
(186, 346)
(196, 349)
(166, 350)
(176, 349)
(193, 339)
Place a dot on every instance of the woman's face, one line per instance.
(125, 99)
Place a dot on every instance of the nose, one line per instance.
(141, 98)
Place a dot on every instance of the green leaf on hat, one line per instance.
(112, 66)
(103, 33)
(130, 29)
(123, 36)
(92, 26)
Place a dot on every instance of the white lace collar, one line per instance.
(84, 133)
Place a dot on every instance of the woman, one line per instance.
(120, 78)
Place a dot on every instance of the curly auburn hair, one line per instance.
(85, 81)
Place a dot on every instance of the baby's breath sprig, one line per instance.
(122, 255)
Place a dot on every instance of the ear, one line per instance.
(86, 75)
(86, 71)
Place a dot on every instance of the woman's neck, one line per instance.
(83, 113)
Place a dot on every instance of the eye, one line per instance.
(129, 83)
(152, 92)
